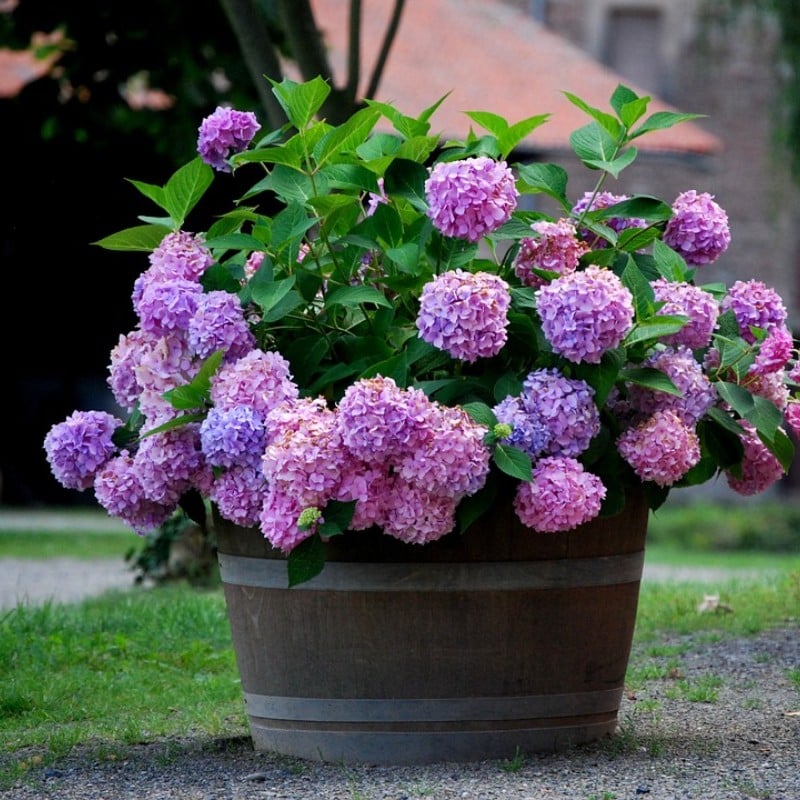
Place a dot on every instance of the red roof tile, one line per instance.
(489, 56)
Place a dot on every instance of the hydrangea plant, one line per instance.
(378, 334)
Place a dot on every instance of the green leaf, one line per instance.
(739, 399)
(355, 296)
(289, 184)
(670, 264)
(474, 506)
(152, 192)
(177, 422)
(781, 446)
(305, 561)
(481, 413)
(513, 462)
(267, 294)
(185, 189)
(301, 101)
(592, 143)
(654, 328)
(662, 120)
(607, 121)
(494, 123)
(347, 136)
(650, 378)
(142, 238)
(615, 165)
(549, 179)
(197, 393)
(640, 289)
(511, 138)
(337, 515)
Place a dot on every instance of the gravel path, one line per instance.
(745, 745)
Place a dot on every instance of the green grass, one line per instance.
(74, 544)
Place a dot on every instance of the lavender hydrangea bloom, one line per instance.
(219, 324)
(556, 249)
(167, 307)
(233, 436)
(80, 445)
(529, 432)
(561, 496)
(661, 449)
(468, 199)
(465, 314)
(755, 305)
(224, 133)
(690, 301)
(380, 422)
(239, 493)
(698, 229)
(583, 314)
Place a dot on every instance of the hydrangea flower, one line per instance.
(595, 201)
(165, 307)
(760, 469)
(224, 133)
(557, 248)
(219, 324)
(415, 516)
(239, 493)
(180, 256)
(465, 314)
(698, 229)
(690, 301)
(583, 314)
(561, 496)
(77, 447)
(468, 199)
(756, 305)
(774, 352)
(259, 379)
(661, 449)
(231, 436)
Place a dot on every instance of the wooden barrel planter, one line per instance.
(460, 650)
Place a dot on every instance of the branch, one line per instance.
(259, 53)
(383, 54)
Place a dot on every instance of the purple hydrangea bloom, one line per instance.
(792, 416)
(583, 314)
(465, 314)
(125, 358)
(239, 493)
(278, 519)
(224, 133)
(661, 449)
(415, 516)
(379, 422)
(754, 305)
(79, 446)
(219, 324)
(698, 229)
(118, 489)
(698, 305)
(592, 201)
(166, 307)
(561, 496)
(556, 249)
(233, 436)
(529, 432)
(468, 199)
(774, 352)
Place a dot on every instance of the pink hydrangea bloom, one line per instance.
(179, 256)
(661, 449)
(219, 324)
(376, 198)
(760, 468)
(771, 386)
(278, 519)
(80, 445)
(125, 358)
(698, 229)
(415, 516)
(561, 496)
(686, 373)
(252, 263)
(118, 489)
(370, 487)
(164, 363)
(465, 314)
(261, 380)
(754, 304)
(224, 133)
(169, 463)
(470, 198)
(239, 493)
(452, 459)
(774, 352)
(585, 313)
(556, 249)
(378, 421)
(698, 305)
(792, 416)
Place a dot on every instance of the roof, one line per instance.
(489, 56)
